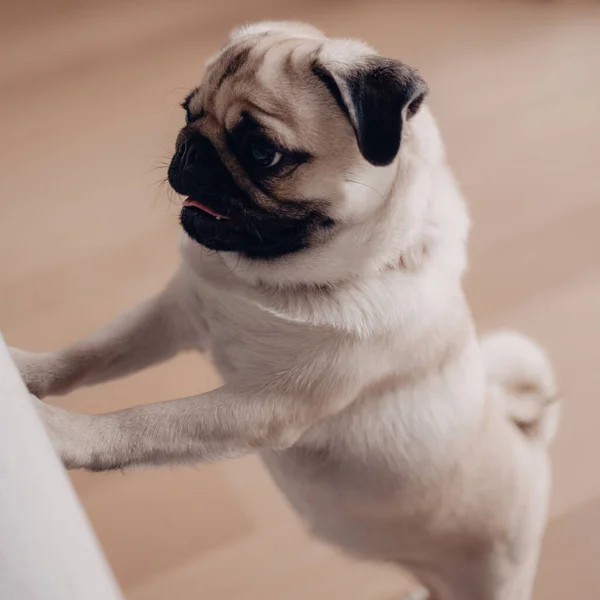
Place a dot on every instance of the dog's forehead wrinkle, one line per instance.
(269, 103)
(270, 49)
(234, 77)
(265, 53)
(268, 113)
(234, 64)
(270, 74)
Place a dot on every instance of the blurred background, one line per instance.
(89, 94)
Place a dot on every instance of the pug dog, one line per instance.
(321, 268)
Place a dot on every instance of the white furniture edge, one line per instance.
(48, 550)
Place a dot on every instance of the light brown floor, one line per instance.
(88, 108)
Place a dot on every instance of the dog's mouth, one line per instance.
(191, 203)
(253, 233)
(219, 215)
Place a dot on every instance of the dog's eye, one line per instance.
(264, 154)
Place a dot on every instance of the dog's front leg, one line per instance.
(148, 334)
(224, 423)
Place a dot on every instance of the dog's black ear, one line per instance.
(376, 95)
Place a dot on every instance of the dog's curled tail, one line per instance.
(520, 372)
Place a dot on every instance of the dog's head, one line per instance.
(291, 138)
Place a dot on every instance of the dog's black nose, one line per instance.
(198, 150)
(193, 152)
(187, 159)
(191, 156)
(179, 157)
(197, 168)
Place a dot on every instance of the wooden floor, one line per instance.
(89, 96)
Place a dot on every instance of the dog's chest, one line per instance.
(244, 338)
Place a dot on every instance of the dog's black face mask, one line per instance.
(221, 216)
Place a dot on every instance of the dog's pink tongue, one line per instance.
(192, 202)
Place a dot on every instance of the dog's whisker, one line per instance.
(367, 186)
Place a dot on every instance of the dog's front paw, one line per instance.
(33, 371)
